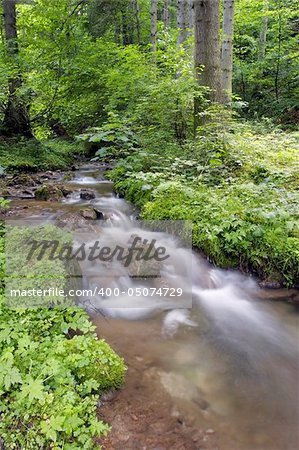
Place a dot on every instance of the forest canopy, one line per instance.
(76, 62)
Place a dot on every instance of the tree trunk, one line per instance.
(181, 21)
(16, 117)
(263, 33)
(154, 14)
(279, 56)
(137, 20)
(227, 49)
(207, 46)
(127, 25)
(166, 16)
(190, 13)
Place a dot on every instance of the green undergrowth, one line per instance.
(53, 371)
(239, 187)
(32, 155)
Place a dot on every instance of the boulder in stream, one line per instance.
(92, 214)
(48, 192)
(51, 192)
(87, 194)
(89, 213)
(73, 221)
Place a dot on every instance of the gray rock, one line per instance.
(87, 194)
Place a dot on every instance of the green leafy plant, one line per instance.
(53, 370)
(111, 139)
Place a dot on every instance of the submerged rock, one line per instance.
(72, 221)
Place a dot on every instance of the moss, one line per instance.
(48, 192)
(30, 155)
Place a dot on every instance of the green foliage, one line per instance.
(79, 62)
(236, 225)
(31, 155)
(240, 190)
(4, 203)
(53, 370)
(113, 138)
(267, 82)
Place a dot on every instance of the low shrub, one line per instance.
(53, 370)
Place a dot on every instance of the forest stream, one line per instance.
(223, 375)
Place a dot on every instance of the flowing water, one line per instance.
(230, 362)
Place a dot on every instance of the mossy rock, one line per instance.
(89, 214)
(22, 179)
(48, 192)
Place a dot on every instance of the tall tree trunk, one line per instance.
(166, 16)
(16, 117)
(279, 56)
(137, 20)
(154, 14)
(207, 46)
(227, 49)
(263, 33)
(190, 14)
(181, 21)
(127, 26)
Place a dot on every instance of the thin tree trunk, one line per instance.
(263, 33)
(181, 22)
(16, 117)
(137, 20)
(154, 14)
(166, 16)
(278, 61)
(127, 27)
(207, 46)
(227, 49)
(118, 28)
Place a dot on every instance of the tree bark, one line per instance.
(154, 14)
(207, 46)
(181, 21)
(166, 16)
(137, 20)
(16, 117)
(190, 13)
(227, 49)
(127, 24)
(263, 33)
